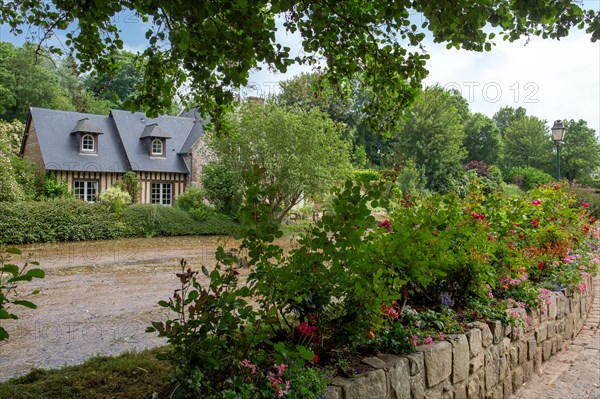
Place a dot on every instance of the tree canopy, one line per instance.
(580, 155)
(292, 153)
(211, 46)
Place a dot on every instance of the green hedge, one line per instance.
(74, 220)
(55, 220)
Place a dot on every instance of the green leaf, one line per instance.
(35, 273)
(13, 250)
(28, 304)
(12, 269)
(3, 334)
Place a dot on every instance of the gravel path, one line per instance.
(573, 373)
(97, 299)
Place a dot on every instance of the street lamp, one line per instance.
(558, 135)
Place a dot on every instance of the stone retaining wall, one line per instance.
(491, 360)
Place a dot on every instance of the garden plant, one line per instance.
(353, 285)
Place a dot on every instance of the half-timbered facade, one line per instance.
(92, 152)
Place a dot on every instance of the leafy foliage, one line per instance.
(191, 198)
(291, 153)
(130, 183)
(222, 187)
(376, 40)
(11, 277)
(116, 199)
(528, 177)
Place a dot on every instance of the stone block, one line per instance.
(460, 390)
(551, 329)
(523, 345)
(497, 392)
(375, 362)
(417, 386)
(546, 350)
(527, 370)
(554, 345)
(476, 363)
(475, 344)
(486, 335)
(474, 389)
(497, 330)
(517, 378)
(438, 362)
(507, 388)
(334, 393)
(416, 363)
(460, 357)
(531, 347)
(372, 384)
(514, 356)
(553, 306)
(541, 333)
(399, 374)
(492, 370)
(503, 368)
(537, 359)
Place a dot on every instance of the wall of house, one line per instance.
(105, 180)
(147, 178)
(490, 360)
(32, 149)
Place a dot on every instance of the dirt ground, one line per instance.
(98, 298)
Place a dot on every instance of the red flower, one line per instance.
(535, 222)
(385, 224)
(541, 265)
(536, 202)
(585, 205)
(316, 359)
(521, 236)
(556, 187)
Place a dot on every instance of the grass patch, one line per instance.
(296, 228)
(127, 376)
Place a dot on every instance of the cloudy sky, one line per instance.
(551, 79)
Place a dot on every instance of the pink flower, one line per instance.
(535, 222)
(536, 202)
(442, 336)
(585, 205)
(512, 231)
(306, 329)
(280, 369)
(415, 340)
(428, 340)
(249, 365)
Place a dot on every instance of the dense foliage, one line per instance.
(377, 40)
(356, 285)
(75, 220)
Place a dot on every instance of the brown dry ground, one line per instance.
(98, 297)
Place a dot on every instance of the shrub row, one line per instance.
(74, 220)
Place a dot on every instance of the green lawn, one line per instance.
(128, 376)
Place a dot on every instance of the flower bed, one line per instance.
(354, 287)
(490, 360)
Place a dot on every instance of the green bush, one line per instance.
(116, 199)
(365, 175)
(527, 177)
(589, 196)
(222, 188)
(190, 199)
(201, 212)
(156, 220)
(52, 188)
(130, 183)
(55, 220)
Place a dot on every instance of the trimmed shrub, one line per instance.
(201, 212)
(116, 199)
(156, 220)
(55, 220)
(528, 177)
(365, 175)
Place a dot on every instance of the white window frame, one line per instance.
(162, 146)
(161, 193)
(90, 190)
(83, 143)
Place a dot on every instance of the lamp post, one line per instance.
(558, 135)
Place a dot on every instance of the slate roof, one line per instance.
(121, 147)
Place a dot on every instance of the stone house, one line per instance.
(92, 152)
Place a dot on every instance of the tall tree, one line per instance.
(527, 142)
(212, 46)
(433, 137)
(29, 80)
(483, 140)
(293, 153)
(121, 82)
(580, 155)
(507, 115)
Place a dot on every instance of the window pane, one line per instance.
(88, 143)
(157, 147)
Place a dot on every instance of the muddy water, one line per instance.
(98, 297)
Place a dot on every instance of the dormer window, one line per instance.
(88, 143)
(155, 139)
(158, 148)
(86, 135)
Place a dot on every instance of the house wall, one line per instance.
(105, 180)
(147, 178)
(32, 150)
